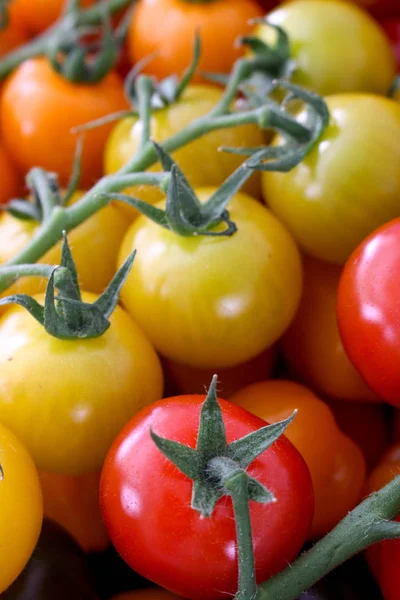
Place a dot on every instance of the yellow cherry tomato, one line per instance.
(336, 46)
(312, 346)
(200, 160)
(21, 511)
(348, 185)
(95, 245)
(213, 301)
(68, 399)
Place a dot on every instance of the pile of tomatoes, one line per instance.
(299, 309)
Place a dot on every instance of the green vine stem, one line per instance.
(367, 524)
(39, 45)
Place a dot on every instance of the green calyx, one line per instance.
(4, 14)
(76, 59)
(65, 316)
(216, 466)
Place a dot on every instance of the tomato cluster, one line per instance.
(131, 132)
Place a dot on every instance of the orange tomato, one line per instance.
(11, 183)
(38, 110)
(38, 15)
(336, 464)
(13, 35)
(73, 502)
(219, 23)
(312, 346)
(184, 379)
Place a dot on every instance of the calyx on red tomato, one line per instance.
(191, 547)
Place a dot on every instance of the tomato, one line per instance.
(348, 185)
(57, 570)
(191, 555)
(392, 28)
(148, 594)
(39, 15)
(95, 244)
(38, 110)
(366, 425)
(219, 23)
(21, 507)
(384, 558)
(73, 502)
(13, 35)
(11, 182)
(380, 8)
(213, 301)
(336, 464)
(200, 160)
(183, 379)
(78, 393)
(312, 346)
(336, 47)
(369, 312)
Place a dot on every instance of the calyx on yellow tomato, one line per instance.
(213, 301)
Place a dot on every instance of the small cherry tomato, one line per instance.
(73, 503)
(182, 379)
(336, 47)
(148, 594)
(21, 507)
(192, 555)
(95, 244)
(13, 35)
(11, 182)
(369, 311)
(78, 393)
(312, 346)
(39, 15)
(200, 160)
(213, 301)
(348, 185)
(219, 24)
(336, 464)
(38, 110)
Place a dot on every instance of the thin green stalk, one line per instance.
(367, 524)
(39, 181)
(145, 89)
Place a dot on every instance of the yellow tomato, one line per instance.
(94, 244)
(21, 507)
(348, 185)
(312, 344)
(200, 160)
(213, 301)
(68, 399)
(336, 46)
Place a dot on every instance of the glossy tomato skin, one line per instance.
(73, 503)
(11, 181)
(213, 301)
(348, 185)
(219, 24)
(336, 464)
(21, 507)
(200, 160)
(369, 313)
(193, 556)
(38, 110)
(312, 345)
(336, 46)
(39, 15)
(95, 245)
(79, 393)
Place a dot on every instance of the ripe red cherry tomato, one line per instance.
(392, 28)
(145, 502)
(369, 310)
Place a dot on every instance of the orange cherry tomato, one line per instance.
(38, 110)
(73, 502)
(38, 15)
(366, 425)
(219, 23)
(13, 35)
(336, 464)
(312, 345)
(10, 181)
(184, 379)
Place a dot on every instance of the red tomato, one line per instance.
(145, 502)
(392, 28)
(369, 310)
(380, 8)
